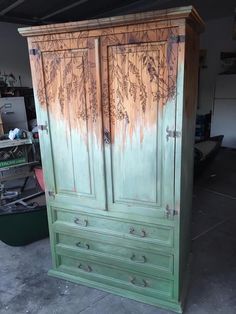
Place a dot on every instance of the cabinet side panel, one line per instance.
(188, 127)
(45, 146)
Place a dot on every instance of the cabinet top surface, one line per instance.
(187, 12)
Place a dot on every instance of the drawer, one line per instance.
(116, 277)
(116, 251)
(149, 233)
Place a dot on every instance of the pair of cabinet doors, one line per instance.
(109, 105)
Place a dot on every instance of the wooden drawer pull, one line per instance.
(143, 260)
(85, 268)
(142, 235)
(80, 222)
(144, 283)
(85, 246)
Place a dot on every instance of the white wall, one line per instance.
(216, 38)
(14, 53)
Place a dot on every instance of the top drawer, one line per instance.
(149, 233)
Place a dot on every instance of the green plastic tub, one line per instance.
(22, 226)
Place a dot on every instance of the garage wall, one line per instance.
(216, 38)
(14, 53)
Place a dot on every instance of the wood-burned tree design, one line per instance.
(136, 68)
(74, 83)
(69, 80)
(148, 66)
(79, 78)
(166, 86)
(38, 78)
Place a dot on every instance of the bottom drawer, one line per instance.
(113, 276)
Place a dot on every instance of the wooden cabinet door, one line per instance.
(139, 72)
(67, 92)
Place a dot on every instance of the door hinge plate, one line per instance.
(34, 52)
(170, 212)
(107, 137)
(177, 39)
(43, 127)
(172, 133)
(51, 194)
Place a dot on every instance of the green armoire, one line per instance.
(116, 101)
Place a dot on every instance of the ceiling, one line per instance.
(35, 12)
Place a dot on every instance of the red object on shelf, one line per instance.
(39, 176)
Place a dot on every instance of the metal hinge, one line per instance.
(43, 127)
(170, 212)
(172, 133)
(106, 136)
(51, 194)
(177, 39)
(34, 52)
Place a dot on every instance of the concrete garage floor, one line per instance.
(25, 286)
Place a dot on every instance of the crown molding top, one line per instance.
(187, 12)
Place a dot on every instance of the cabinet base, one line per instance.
(176, 307)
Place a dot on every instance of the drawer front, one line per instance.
(117, 251)
(150, 233)
(114, 276)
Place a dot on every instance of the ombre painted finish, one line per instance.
(117, 99)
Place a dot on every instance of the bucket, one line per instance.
(38, 171)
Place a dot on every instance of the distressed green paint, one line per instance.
(159, 234)
(115, 287)
(177, 177)
(46, 157)
(110, 248)
(79, 169)
(156, 286)
(136, 169)
(186, 115)
(161, 266)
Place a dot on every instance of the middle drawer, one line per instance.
(117, 251)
